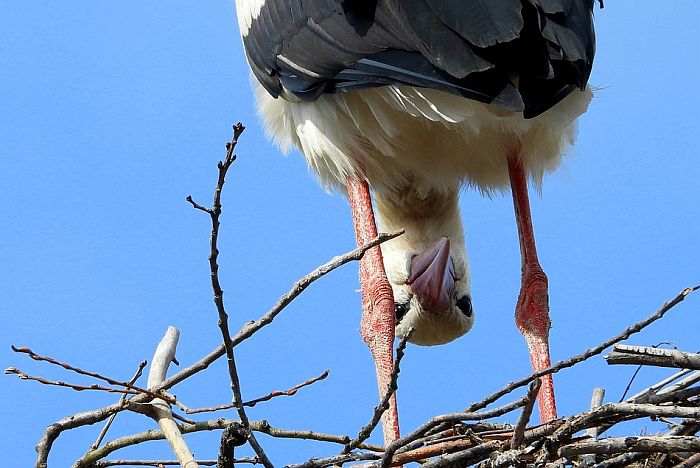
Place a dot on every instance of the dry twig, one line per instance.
(162, 463)
(277, 393)
(215, 212)
(109, 422)
(130, 388)
(383, 405)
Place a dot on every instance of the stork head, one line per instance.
(431, 291)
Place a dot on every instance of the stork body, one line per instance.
(416, 99)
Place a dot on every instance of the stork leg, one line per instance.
(532, 309)
(378, 319)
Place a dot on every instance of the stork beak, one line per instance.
(432, 276)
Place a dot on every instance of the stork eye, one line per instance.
(465, 305)
(400, 311)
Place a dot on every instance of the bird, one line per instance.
(401, 105)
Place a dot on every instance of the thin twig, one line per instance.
(127, 385)
(336, 460)
(161, 463)
(109, 422)
(383, 405)
(519, 431)
(639, 397)
(78, 388)
(277, 393)
(215, 213)
(154, 463)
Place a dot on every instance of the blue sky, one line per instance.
(112, 114)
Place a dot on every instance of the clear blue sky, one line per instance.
(110, 114)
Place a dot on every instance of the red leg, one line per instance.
(378, 320)
(532, 309)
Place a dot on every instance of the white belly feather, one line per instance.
(427, 139)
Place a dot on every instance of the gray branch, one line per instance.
(164, 355)
(648, 356)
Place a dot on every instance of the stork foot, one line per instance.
(532, 318)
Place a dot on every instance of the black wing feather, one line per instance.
(482, 23)
(473, 48)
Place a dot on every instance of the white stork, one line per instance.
(412, 100)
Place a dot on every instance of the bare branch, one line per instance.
(163, 356)
(592, 432)
(336, 460)
(650, 356)
(130, 388)
(211, 425)
(161, 463)
(639, 397)
(155, 463)
(299, 286)
(109, 422)
(277, 393)
(658, 444)
(519, 431)
(78, 388)
(631, 410)
(71, 422)
(215, 213)
(383, 405)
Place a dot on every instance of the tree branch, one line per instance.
(215, 424)
(650, 356)
(163, 356)
(658, 444)
(383, 405)
(277, 393)
(109, 422)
